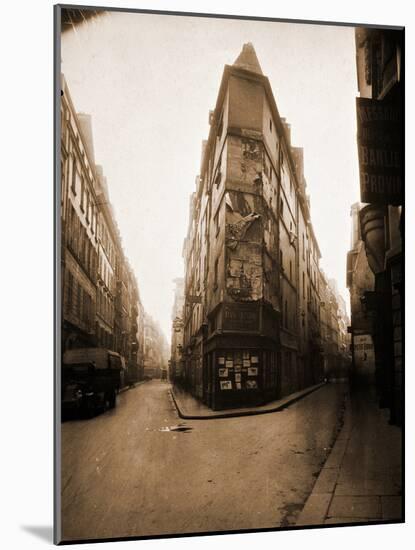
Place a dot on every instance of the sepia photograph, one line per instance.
(229, 212)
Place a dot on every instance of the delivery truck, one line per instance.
(91, 379)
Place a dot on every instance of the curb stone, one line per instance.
(318, 502)
(283, 403)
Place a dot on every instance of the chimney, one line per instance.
(102, 181)
(287, 128)
(248, 60)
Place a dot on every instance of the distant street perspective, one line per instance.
(214, 376)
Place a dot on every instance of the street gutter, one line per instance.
(275, 406)
(317, 504)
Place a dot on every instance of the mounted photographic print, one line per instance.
(229, 250)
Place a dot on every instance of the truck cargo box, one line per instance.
(101, 358)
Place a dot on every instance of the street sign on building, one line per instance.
(364, 354)
(243, 317)
(379, 140)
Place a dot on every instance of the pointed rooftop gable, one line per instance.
(248, 60)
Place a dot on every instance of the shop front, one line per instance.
(241, 366)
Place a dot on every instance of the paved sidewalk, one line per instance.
(361, 480)
(190, 408)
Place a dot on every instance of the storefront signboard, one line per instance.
(380, 149)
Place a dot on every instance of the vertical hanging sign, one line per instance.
(380, 148)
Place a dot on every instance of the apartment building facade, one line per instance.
(79, 232)
(100, 299)
(251, 316)
(176, 370)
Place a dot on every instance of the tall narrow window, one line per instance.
(216, 222)
(218, 176)
(69, 226)
(82, 195)
(73, 228)
(215, 280)
(270, 125)
(87, 255)
(220, 127)
(92, 261)
(87, 206)
(80, 244)
(73, 182)
(291, 270)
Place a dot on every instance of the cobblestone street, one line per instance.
(128, 472)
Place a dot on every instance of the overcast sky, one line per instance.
(149, 81)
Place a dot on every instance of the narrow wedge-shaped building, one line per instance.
(251, 316)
